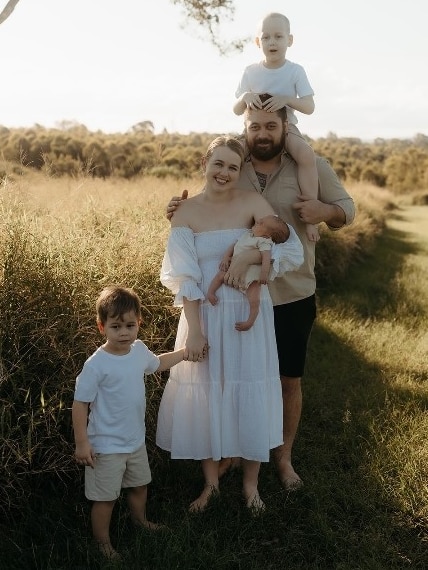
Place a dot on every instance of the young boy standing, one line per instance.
(111, 442)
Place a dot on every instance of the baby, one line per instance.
(264, 233)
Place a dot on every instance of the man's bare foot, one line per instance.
(228, 464)
(254, 503)
(107, 550)
(290, 480)
(200, 504)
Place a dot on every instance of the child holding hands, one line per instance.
(111, 442)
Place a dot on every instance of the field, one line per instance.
(361, 448)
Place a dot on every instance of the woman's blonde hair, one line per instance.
(225, 140)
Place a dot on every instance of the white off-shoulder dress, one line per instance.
(229, 405)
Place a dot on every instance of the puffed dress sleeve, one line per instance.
(180, 271)
(287, 256)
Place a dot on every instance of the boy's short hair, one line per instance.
(115, 301)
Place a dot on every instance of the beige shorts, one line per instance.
(114, 471)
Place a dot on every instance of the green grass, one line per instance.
(361, 447)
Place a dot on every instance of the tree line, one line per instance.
(71, 149)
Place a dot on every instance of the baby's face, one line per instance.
(261, 228)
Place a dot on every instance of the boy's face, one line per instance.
(120, 331)
(274, 39)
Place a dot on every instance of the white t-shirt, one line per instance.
(290, 79)
(114, 386)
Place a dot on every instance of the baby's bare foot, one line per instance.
(312, 232)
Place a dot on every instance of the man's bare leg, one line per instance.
(292, 409)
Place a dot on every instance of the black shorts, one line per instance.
(293, 325)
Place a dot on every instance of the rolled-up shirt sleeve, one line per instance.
(333, 192)
(180, 272)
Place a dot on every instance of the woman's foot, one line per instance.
(200, 504)
(254, 503)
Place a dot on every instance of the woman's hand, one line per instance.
(235, 275)
(196, 347)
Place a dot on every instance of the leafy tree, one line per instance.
(209, 14)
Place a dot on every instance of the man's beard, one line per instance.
(268, 152)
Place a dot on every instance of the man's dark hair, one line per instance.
(282, 113)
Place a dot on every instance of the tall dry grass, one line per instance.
(61, 241)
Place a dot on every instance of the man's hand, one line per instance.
(312, 211)
(174, 203)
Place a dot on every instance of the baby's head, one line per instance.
(273, 227)
(115, 301)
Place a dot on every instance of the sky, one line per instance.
(111, 64)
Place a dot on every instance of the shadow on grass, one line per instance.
(371, 288)
(343, 518)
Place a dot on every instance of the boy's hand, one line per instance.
(174, 203)
(252, 100)
(84, 454)
(275, 103)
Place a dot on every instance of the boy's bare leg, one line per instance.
(211, 487)
(100, 518)
(253, 296)
(137, 501)
(217, 281)
(250, 484)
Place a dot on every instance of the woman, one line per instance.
(229, 404)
